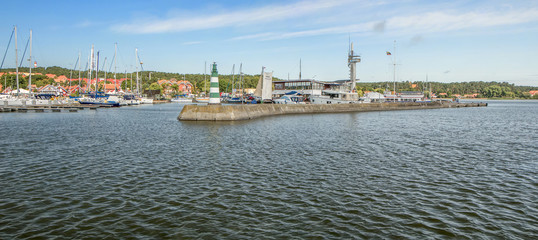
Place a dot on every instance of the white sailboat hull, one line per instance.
(182, 100)
(18, 102)
(202, 100)
(146, 101)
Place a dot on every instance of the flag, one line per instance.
(388, 53)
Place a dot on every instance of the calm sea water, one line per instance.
(137, 172)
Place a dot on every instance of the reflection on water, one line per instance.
(137, 172)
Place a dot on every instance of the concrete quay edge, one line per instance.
(253, 111)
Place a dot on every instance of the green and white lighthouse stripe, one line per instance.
(214, 96)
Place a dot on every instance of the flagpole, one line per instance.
(30, 66)
(16, 62)
(394, 75)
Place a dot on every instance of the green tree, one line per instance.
(492, 91)
(154, 86)
(359, 90)
(379, 90)
(175, 87)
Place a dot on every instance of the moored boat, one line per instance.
(201, 100)
(181, 100)
(98, 102)
(290, 99)
(146, 100)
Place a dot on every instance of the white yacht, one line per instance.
(146, 100)
(335, 97)
(181, 100)
(290, 99)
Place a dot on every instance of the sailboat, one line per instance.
(143, 100)
(146, 100)
(97, 99)
(23, 97)
(264, 87)
(202, 99)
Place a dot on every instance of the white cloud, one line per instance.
(415, 24)
(255, 36)
(354, 28)
(443, 21)
(234, 18)
(192, 43)
(323, 31)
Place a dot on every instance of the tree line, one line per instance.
(481, 88)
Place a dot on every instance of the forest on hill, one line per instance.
(483, 89)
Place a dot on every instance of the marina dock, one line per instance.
(248, 111)
(50, 108)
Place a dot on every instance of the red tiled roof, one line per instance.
(111, 87)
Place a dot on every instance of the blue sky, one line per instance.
(448, 41)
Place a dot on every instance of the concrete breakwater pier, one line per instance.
(252, 111)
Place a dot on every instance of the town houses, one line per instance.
(173, 86)
(63, 85)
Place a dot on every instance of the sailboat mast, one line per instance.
(16, 61)
(431, 94)
(88, 85)
(131, 79)
(79, 72)
(233, 79)
(425, 85)
(104, 82)
(241, 81)
(88, 65)
(125, 76)
(351, 68)
(136, 67)
(394, 75)
(71, 72)
(96, 73)
(205, 69)
(115, 69)
(30, 65)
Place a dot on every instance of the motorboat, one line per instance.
(181, 100)
(290, 99)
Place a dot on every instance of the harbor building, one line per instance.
(310, 87)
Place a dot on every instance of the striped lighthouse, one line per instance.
(214, 96)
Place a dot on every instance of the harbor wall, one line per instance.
(252, 111)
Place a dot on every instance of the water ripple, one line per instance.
(139, 173)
